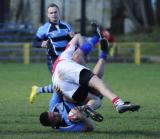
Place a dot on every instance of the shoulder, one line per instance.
(64, 23)
(42, 30)
(44, 26)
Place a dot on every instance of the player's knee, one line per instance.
(98, 101)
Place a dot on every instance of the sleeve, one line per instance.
(56, 98)
(77, 127)
(68, 52)
(41, 33)
(37, 42)
(39, 37)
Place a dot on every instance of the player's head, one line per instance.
(50, 119)
(53, 13)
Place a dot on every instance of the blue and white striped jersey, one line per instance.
(58, 35)
(66, 125)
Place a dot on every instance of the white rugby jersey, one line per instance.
(66, 72)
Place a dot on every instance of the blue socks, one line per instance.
(45, 89)
(103, 55)
(87, 46)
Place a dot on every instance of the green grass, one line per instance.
(140, 84)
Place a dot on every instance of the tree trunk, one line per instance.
(158, 11)
(143, 11)
(130, 13)
(83, 17)
(19, 12)
(4, 11)
(149, 12)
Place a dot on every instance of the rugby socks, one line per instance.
(104, 49)
(103, 55)
(45, 89)
(117, 101)
(87, 46)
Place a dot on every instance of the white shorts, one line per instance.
(66, 76)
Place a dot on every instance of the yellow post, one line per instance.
(137, 54)
(26, 53)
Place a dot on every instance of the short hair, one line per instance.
(44, 119)
(53, 5)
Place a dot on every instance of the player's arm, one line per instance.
(39, 43)
(40, 39)
(71, 48)
(88, 125)
(70, 30)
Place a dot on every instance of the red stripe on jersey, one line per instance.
(55, 64)
(58, 60)
(68, 45)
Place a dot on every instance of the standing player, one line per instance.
(54, 36)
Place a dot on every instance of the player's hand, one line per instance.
(79, 112)
(75, 114)
(44, 44)
(71, 34)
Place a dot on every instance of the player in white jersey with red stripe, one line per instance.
(74, 79)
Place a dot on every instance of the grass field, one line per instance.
(139, 84)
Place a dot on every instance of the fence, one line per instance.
(22, 52)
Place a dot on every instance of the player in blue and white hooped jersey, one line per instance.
(59, 119)
(54, 36)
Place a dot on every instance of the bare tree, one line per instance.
(19, 12)
(4, 11)
(149, 12)
(129, 11)
(143, 12)
(140, 12)
(158, 11)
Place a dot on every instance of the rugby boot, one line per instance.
(92, 113)
(127, 106)
(33, 94)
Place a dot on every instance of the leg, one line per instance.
(37, 90)
(93, 101)
(56, 98)
(99, 85)
(91, 104)
(99, 68)
(120, 105)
